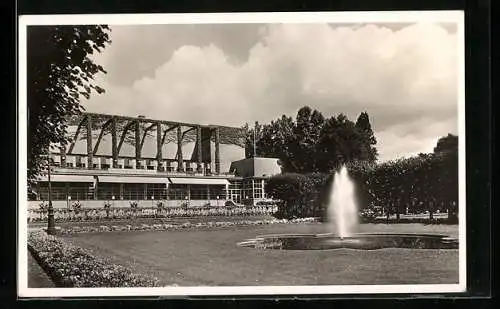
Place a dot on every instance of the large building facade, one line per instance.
(120, 159)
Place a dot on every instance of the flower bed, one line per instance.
(62, 215)
(72, 266)
(173, 227)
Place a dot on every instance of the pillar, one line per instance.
(96, 188)
(90, 150)
(262, 188)
(114, 143)
(158, 146)
(63, 156)
(66, 190)
(217, 151)
(137, 144)
(253, 191)
(180, 161)
(199, 158)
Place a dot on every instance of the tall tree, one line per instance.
(60, 71)
(252, 136)
(364, 126)
(276, 140)
(306, 133)
(447, 143)
(340, 143)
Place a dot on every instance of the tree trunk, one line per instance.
(398, 215)
(431, 212)
(452, 213)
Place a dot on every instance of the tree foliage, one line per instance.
(60, 71)
(447, 143)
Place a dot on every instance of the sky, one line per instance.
(403, 75)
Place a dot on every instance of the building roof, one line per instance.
(255, 167)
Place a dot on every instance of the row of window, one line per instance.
(126, 191)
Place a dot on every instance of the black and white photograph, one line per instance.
(241, 154)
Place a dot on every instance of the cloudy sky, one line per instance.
(403, 75)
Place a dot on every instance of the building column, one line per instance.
(121, 191)
(63, 156)
(217, 151)
(199, 158)
(158, 145)
(262, 188)
(114, 143)
(137, 144)
(180, 161)
(96, 188)
(90, 150)
(253, 191)
(66, 190)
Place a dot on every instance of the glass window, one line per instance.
(106, 191)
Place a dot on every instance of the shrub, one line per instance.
(72, 266)
(427, 182)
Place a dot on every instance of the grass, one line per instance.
(211, 257)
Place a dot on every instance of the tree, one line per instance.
(364, 126)
(60, 71)
(276, 141)
(306, 133)
(447, 143)
(340, 143)
(252, 136)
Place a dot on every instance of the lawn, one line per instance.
(211, 257)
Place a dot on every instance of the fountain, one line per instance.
(342, 208)
(342, 214)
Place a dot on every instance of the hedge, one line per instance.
(72, 266)
(423, 183)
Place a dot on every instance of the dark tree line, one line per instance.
(311, 143)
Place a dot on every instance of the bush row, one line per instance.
(72, 266)
(423, 183)
(171, 227)
(62, 215)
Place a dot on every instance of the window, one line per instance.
(133, 191)
(177, 192)
(58, 190)
(158, 190)
(106, 191)
(80, 191)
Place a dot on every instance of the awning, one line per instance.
(132, 179)
(68, 178)
(199, 181)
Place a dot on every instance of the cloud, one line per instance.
(406, 80)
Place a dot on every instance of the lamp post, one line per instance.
(69, 201)
(51, 229)
(152, 200)
(217, 201)
(113, 198)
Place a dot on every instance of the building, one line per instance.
(120, 159)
